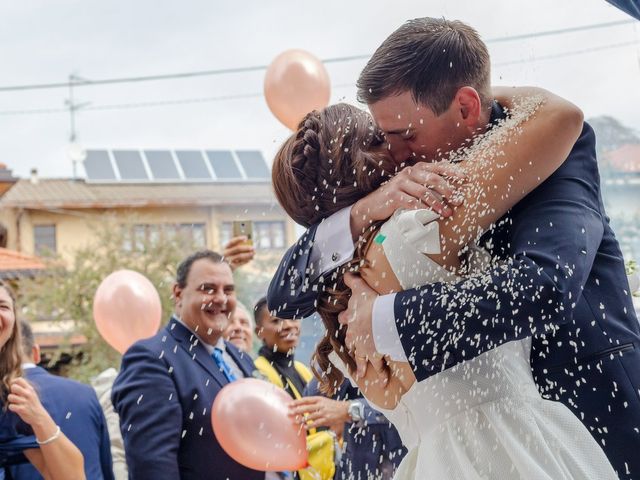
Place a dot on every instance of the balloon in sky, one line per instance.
(126, 308)
(296, 83)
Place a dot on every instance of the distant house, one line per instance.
(49, 335)
(7, 180)
(620, 169)
(198, 193)
(188, 192)
(624, 161)
(16, 265)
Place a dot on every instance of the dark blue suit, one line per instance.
(163, 395)
(15, 437)
(372, 448)
(75, 408)
(632, 7)
(565, 275)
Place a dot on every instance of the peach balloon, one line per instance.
(126, 308)
(296, 83)
(251, 421)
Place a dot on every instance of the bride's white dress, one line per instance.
(484, 418)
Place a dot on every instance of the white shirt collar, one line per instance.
(28, 365)
(219, 344)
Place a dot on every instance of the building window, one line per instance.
(226, 232)
(266, 235)
(269, 235)
(194, 233)
(44, 239)
(138, 235)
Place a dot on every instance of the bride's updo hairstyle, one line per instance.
(335, 157)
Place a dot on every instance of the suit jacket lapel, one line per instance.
(194, 348)
(243, 360)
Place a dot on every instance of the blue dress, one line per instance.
(15, 437)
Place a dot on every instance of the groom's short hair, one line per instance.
(430, 57)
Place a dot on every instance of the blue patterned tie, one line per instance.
(222, 365)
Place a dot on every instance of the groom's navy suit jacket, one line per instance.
(632, 7)
(163, 394)
(562, 282)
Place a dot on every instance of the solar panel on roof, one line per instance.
(253, 163)
(98, 165)
(223, 164)
(193, 165)
(129, 163)
(165, 165)
(162, 165)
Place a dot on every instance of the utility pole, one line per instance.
(76, 153)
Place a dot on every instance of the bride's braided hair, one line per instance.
(332, 160)
(331, 301)
(335, 157)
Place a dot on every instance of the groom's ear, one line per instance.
(469, 107)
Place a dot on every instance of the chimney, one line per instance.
(34, 176)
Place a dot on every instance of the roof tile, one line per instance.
(66, 193)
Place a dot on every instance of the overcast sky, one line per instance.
(45, 41)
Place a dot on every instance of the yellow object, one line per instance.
(320, 445)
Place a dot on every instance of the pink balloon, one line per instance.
(250, 419)
(126, 308)
(296, 83)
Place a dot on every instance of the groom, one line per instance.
(564, 284)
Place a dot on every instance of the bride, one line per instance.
(483, 418)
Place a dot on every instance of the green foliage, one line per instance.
(252, 280)
(631, 268)
(64, 294)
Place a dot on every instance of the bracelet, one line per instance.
(51, 438)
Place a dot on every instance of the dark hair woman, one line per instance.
(26, 429)
(483, 417)
(337, 156)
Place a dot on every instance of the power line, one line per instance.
(183, 101)
(34, 111)
(561, 31)
(85, 82)
(82, 82)
(553, 56)
(158, 103)
(161, 103)
(169, 76)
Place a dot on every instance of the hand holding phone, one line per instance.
(244, 228)
(240, 251)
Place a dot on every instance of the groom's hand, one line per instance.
(357, 318)
(423, 185)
